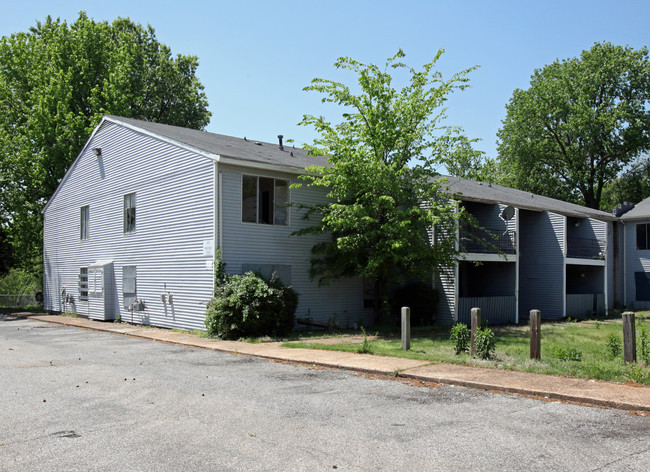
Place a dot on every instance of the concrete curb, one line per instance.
(544, 387)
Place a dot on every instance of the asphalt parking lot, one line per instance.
(82, 400)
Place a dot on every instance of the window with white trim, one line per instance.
(129, 213)
(83, 224)
(83, 284)
(129, 285)
(265, 200)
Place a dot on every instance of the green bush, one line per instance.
(19, 281)
(461, 336)
(613, 345)
(484, 342)
(567, 354)
(644, 350)
(249, 306)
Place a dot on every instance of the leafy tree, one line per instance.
(376, 216)
(578, 125)
(633, 185)
(469, 163)
(56, 82)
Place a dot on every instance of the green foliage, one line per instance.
(420, 297)
(56, 82)
(220, 276)
(633, 185)
(249, 306)
(461, 336)
(644, 349)
(581, 122)
(468, 163)
(19, 281)
(613, 343)
(567, 353)
(383, 156)
(513, 349)
(485, 343)
(366, 345)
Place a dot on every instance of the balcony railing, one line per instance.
(585, 248)
(486, 240)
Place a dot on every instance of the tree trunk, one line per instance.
(380, 303)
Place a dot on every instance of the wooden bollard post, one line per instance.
(406, 328)
(629, 338)
(535, 334)
(475, 324)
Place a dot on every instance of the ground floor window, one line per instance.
(129, 285)
(642, 282)
(83, 284)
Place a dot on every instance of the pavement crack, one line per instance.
(609, 464)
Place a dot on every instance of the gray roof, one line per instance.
(472, 190)
(227, 146)
(640, 211)
(249, 150)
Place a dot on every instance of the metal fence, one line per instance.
(585, 304)
(486, 240)
(15, 300)
(585, 248)
(496, 310)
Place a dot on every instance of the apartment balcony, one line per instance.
(486, 240)
(585, 248)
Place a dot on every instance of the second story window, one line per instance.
(85, 215)
(265, 200)
(129, 213)
(643, 236)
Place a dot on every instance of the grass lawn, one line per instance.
(588, 337)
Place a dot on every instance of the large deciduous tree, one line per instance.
(383, 154)
(56, 82)
(633, 185)
(581, 121)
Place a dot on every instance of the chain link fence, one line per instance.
(15, 300)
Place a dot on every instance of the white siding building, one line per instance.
(636, 256)
(133, 228)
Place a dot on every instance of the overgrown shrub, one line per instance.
(568, 353)
(484, 342)
(19, 281)
(461, 336)
(644, 349)
(613, 343)
(249, 306)
(420, 297)
(366, 346)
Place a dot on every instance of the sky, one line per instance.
(257, 56)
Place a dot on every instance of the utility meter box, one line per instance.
(102, 296)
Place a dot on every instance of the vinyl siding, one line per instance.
(174, 216)
(444, 281)
(246, 244)
(635, 261)
(541, 258)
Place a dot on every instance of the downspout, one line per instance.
(221, 212)
(516, 265)
(564, 251)
(624, 264)
(456, 271)
(606, 274)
